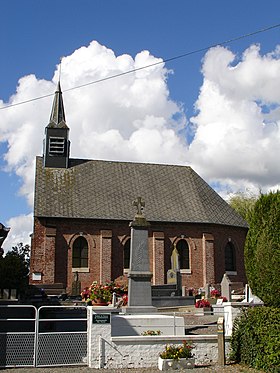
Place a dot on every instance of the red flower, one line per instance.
(201, 303)
(215, 293)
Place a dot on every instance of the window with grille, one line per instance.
(230, 260)
(80, 253)
(56, 145)
(126, 254)
(184, 254)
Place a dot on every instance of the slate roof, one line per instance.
(95, 189)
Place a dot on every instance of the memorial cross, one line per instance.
(140, 204)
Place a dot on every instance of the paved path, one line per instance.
(234, 368)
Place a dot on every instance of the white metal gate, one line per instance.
(17, 335)
(49, 336)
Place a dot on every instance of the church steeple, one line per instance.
(57, 118)
(56, 143)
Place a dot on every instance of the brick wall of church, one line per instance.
(105, 241)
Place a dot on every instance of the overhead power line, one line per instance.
(150, 65)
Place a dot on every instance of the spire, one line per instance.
(56, 143)
(57, 118)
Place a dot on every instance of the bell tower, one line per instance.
(56, 143)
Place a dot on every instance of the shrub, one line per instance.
(262, 249)
(255, 339)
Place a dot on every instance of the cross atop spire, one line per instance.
(57, 118)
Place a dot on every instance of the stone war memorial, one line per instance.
(139, 315)
(139, 274)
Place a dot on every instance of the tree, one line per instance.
(262, 249)
(14, 268)
(244, 204)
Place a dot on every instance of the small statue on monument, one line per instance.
(175, 259)
(173, 274)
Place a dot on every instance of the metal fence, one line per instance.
(49, 336)
(17, 335)
(58, 335)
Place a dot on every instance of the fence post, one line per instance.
(174, 323)
(221, 341)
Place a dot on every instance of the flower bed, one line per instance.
(103, 294)
(176, 352)
(176, 357)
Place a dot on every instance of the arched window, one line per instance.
(80, 253)
(184, 254)
(126, 254)
(230, 258)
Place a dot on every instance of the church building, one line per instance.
(83, 208)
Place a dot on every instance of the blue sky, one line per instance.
(36, 34)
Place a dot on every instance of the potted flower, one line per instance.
(203, 304)
(151, 332)
(97, 294)
(176, 357)
(120, 288)
(215, 293)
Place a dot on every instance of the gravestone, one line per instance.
(6, 293)
(76, 285)
(173, 274)
(139, 275)
(171, 277)
(232, 290)
(13, 294)
(208, 288)
(226, 287)
(250, 297)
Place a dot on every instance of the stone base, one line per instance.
(136, 325)
(104, 309)
(131, 310)
(170, 364)
(176, 301)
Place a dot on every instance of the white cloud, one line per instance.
(127, 118)
(237, 137)
(21, 228)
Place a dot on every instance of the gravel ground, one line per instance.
(233, 368)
